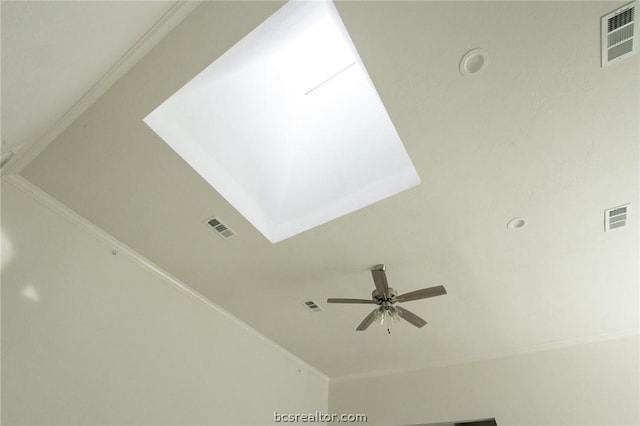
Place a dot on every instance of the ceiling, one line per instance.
(59, 56)
(543, 133)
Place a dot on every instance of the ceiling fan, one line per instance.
(386, 299)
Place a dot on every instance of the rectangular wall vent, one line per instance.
(221, 229)
(312, 305)
(616, 217)
(619, 34)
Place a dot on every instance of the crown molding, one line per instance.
(167, 22)
(122, 249)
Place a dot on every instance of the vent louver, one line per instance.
(616, 217)
(221, 229)
(619, 34)
(312, 306)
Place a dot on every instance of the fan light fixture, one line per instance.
(287, 125)
(387, 315)
(387, 300)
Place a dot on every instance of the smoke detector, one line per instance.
(619, 35)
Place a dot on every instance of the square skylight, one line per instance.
(287, 125)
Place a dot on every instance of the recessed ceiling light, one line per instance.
(473, 63)
(287, 125)
(517, 223)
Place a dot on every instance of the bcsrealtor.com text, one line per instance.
(318, 417)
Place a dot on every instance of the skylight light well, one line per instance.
(287, 125)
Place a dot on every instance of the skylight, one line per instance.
(287, 125)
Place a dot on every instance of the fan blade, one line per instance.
(422, 294)
(410, 317)
(366, 322)
(380, 280)
(338, 300)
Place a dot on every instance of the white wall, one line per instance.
(93, 338)
(590, 384)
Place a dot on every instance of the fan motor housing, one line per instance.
(379, 297)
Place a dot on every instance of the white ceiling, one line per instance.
(543, 133)
(58, 55)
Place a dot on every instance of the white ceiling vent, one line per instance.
(616, 217)
(619, 37)
(312, 306)
(221, 229)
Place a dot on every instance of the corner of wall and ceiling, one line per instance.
(167, 22)
(114, 244)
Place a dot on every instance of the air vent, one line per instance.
(221, 229)
(619, 35)
(312, 305)
(616, 217)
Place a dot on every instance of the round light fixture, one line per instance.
(517, 223)
(473, 63)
